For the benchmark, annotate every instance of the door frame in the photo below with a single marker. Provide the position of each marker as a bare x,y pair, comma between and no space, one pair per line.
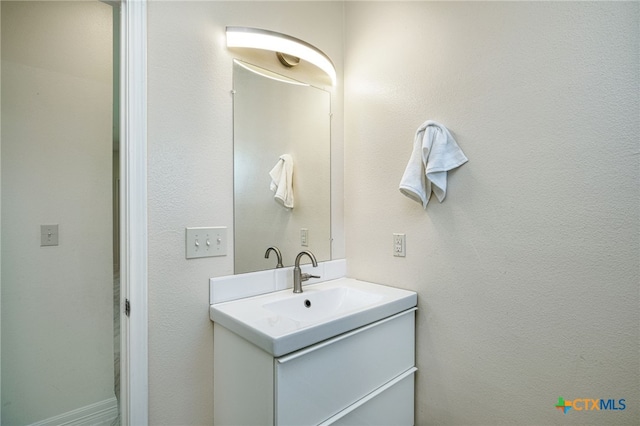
134,391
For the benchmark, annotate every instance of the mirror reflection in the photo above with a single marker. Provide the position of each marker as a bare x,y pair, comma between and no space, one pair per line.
282,145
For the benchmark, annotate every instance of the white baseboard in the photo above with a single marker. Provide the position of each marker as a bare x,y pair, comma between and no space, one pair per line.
100,413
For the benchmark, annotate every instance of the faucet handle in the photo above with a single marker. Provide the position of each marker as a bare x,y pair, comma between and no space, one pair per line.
304,276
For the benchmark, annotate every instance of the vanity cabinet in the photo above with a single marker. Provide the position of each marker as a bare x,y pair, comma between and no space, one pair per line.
362,377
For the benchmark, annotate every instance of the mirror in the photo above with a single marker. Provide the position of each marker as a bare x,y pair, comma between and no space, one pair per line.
274,115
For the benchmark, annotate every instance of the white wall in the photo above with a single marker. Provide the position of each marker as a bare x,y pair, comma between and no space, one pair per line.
528,272
0,218
190,162
57,326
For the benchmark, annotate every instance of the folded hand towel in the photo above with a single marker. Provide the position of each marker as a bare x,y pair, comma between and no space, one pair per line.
282,181
435,151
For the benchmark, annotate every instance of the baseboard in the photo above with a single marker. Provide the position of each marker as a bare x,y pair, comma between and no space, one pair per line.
100,413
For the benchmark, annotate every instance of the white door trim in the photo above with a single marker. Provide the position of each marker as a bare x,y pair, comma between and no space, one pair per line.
134,394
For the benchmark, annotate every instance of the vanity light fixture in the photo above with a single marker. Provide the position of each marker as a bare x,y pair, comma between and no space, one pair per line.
268,74
280,43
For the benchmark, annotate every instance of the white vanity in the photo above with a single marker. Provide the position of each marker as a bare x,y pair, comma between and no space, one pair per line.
341,353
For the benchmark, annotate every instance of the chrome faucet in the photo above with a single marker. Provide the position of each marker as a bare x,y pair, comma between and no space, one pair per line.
278,254
298,276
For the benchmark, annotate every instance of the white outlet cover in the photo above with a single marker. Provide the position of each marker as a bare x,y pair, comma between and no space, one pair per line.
399,245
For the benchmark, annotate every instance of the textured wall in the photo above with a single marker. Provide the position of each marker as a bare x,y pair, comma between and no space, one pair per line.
528,272
190,163
57,308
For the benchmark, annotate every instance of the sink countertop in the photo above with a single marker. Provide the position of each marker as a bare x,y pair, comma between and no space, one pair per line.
280,322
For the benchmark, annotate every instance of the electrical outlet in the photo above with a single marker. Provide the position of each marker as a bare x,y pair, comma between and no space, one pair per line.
304,237
206,242
399,245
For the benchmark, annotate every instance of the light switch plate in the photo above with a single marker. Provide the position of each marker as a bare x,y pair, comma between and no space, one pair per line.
48,235
206,242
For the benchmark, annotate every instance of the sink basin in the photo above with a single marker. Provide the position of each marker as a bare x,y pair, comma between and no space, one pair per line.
283,322
319,304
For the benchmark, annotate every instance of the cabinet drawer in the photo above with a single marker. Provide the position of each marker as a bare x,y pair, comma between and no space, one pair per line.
318,382
390,405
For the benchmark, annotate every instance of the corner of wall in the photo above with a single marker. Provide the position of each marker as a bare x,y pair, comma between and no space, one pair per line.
0,214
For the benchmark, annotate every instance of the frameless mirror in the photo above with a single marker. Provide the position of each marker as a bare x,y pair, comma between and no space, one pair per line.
275,116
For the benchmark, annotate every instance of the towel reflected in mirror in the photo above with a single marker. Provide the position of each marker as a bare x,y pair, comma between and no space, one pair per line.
282,181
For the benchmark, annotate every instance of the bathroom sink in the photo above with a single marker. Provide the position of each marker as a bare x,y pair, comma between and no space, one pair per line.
318,304
282,322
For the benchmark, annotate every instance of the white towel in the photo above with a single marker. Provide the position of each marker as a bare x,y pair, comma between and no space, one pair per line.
435,152
282,181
